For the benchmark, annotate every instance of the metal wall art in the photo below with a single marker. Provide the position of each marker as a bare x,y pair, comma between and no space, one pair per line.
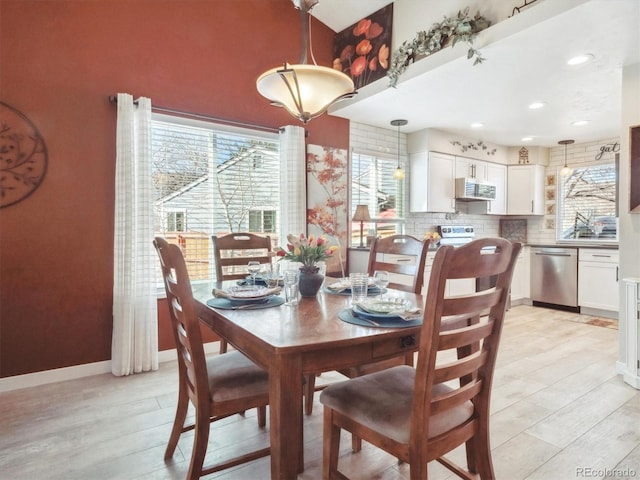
23,156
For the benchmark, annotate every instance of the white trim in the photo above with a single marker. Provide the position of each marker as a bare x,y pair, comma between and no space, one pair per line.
28,380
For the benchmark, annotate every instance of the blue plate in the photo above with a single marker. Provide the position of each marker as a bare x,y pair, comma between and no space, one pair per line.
225,303
359,312
349,316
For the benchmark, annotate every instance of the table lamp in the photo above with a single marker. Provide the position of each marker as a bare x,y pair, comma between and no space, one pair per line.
361,215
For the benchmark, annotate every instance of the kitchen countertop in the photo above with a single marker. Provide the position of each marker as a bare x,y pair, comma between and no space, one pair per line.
575,245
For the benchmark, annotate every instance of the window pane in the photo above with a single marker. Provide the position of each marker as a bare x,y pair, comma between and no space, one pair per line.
208,181
372,184
587,204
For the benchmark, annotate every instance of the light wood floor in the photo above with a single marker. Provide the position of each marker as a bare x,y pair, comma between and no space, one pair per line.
559,412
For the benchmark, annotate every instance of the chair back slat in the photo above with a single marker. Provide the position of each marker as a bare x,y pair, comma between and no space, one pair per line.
404,245
471,304
232,252
459,369
464,336
442,403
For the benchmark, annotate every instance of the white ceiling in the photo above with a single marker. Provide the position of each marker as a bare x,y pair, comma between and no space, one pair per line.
525,61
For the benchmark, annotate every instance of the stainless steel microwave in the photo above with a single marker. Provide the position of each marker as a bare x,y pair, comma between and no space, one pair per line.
474,189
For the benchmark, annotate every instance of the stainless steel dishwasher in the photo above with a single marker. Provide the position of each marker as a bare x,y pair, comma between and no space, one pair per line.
554,276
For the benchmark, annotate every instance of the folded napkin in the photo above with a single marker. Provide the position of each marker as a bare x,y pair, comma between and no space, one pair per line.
344,284
340,285
218,293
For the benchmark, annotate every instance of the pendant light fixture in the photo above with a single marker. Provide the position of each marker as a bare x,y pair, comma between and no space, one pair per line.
305,90
566,169
398,173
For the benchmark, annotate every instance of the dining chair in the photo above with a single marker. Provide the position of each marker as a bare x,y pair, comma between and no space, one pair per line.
420,414
217,386
404,257
232,252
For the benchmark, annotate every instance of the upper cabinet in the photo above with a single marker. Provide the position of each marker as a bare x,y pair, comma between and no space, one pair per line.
525,190
494,173
470,168
432,182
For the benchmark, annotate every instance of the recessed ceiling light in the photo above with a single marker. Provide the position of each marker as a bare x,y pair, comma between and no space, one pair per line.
579,123
477,125
536,105
580,59
526,139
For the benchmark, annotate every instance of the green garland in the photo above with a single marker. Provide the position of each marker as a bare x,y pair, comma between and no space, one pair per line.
451,30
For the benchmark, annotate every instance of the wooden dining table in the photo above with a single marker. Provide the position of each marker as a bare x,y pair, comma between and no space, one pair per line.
292,341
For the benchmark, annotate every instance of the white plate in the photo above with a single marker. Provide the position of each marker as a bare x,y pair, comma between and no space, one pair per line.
247,292
383,307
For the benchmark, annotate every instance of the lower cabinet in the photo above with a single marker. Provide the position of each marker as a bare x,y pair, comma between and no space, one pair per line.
520,282
461,286
598,279
358,260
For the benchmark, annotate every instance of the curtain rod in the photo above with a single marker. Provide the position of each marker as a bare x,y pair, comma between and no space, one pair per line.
114,99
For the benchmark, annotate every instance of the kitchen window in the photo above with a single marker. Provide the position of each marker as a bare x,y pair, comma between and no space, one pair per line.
587,204
208,180
372,184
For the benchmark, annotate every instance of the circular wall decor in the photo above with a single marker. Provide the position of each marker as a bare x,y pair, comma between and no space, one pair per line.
23,156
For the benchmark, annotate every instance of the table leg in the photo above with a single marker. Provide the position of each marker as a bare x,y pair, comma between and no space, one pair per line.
285,407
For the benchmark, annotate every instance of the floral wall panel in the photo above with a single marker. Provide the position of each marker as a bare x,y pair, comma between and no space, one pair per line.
362,50
327,198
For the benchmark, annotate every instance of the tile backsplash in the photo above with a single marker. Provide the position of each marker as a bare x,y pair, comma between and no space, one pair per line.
540,229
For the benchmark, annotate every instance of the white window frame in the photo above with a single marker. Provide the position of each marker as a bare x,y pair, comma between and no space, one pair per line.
588,217
370,198
219,128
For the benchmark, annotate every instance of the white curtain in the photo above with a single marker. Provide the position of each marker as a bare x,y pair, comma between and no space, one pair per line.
134,345
293,185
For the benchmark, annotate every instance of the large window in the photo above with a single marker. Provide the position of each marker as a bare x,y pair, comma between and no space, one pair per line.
587,204
372,184
212,180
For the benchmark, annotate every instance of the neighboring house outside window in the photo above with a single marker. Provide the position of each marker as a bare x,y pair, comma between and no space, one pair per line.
262,221
372,184
211,180
587,204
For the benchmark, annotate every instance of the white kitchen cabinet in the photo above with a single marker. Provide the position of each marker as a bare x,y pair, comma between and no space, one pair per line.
358,260
598,279
471,168
525,190
496,174
521,282
458,286
432,182
399,259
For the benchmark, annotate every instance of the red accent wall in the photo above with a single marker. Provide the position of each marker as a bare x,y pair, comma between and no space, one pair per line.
60,60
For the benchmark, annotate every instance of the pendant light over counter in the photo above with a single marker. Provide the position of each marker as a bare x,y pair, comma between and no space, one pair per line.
305,90
566,169
398,173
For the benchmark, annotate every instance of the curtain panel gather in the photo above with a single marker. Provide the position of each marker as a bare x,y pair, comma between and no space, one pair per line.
293,174
134,346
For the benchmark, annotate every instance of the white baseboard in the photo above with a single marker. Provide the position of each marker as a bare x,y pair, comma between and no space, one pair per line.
27,380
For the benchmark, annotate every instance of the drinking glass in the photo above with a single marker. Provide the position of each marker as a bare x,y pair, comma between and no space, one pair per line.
290,280
272,275
358,283
253,267
381,279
